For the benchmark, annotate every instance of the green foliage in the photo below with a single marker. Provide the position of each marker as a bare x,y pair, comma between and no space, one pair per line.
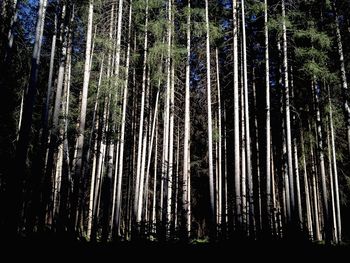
157,52
216,134
275,24
200,241
316,38
255,8
158,28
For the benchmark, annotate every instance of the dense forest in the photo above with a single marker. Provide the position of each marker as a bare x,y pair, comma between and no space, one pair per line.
175,120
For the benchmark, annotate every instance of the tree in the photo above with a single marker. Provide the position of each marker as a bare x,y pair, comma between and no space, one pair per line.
14,187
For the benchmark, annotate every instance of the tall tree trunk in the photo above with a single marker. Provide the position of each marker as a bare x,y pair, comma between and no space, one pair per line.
82,119
296,159
14,183
95,122
123,124
258,180
220,178
335,168
210,128
243,153
14,9
317,236
171,141
316,93
141,125
306,188
287,111
247,122
268,118
334,230
343,72
186,188
238,214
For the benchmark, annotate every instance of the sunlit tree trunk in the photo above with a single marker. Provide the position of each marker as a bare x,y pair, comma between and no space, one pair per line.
335,168
247,121
296,158
344,81
186,188
287,111
334,229
122,133
141,125
210,127
268,113
258,181
14,183
82,119
238,202
320,150
306,188
220,175
317,236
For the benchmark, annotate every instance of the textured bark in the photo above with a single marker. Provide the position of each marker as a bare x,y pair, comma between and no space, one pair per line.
219,164
186,188
247,123
210,128
268,113
117,216
287,112
344,81
141,125
334,169
320,151
86,81
306,189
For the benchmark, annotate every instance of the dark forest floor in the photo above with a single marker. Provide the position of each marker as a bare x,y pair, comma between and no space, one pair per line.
50,248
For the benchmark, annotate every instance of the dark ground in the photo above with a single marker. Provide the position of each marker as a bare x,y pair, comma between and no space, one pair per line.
49,248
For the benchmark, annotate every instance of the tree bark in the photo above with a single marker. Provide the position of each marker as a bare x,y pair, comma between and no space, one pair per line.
186,188
342,72
287,111
210,129
238,201
14,184
335,168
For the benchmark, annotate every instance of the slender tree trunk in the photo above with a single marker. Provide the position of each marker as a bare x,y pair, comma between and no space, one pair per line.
296,159
82,119
334,229
320,148
186,188
258,180
122,136
14,8
343,72
287,111
154,202
317,236
210,128
335,169
220,178
54,137
306,188
141,125
268,118
243,156
247,123
95,122
14,184
238,218
170,180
